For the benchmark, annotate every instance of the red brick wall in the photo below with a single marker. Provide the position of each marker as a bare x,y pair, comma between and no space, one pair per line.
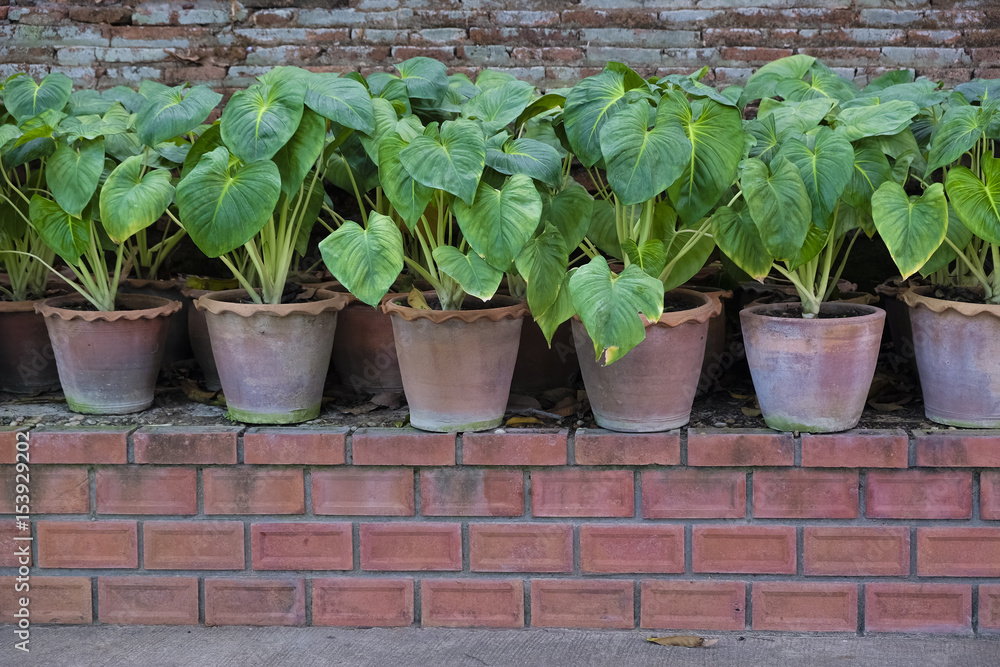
699,529
226,43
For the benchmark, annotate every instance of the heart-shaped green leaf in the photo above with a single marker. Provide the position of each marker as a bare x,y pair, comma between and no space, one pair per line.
778,203
799,117
543,263
26,99
298,156
343,100
588,106
365,261
500,222
73,173
425,78
527,156
912,227
470,271
453,161
571,211
825,170
960,129
977,202
384,125
879,119
68,235
603,231
206,143
651,256
871,170
408,197
764,81
131,200
259,120
821,85
498,107
609,306
173,112
738,237
561,309
223,206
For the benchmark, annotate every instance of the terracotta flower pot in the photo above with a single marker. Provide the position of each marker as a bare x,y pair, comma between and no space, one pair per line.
717,361
652,388
108,360
272,359
178,345
957,347
27,362
812,375
201,342
457,365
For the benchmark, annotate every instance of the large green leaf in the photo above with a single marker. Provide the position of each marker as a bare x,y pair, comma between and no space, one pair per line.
559,311
26,99
497,108
912,227
209,140
342,100
588,106
408,197
173,112
259,120
977,202
68,235
384,124
131,200
500,222
871,170
298,156
716,135
425,78
960,129
470,271
879,119
642,163
764,81
543,263
609,306
779,205
651,256
603,231
816,240
570,211
958,234
821,85
800,117
765,133
738,237
527,156
223,206
365,261
453,161
825,170
73,173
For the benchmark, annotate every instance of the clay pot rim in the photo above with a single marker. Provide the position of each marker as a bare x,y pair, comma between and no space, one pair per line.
148,308
514,309
221,302
157,284
917,296
758,312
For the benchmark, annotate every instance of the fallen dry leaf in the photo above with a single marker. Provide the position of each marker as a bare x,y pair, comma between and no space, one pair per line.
199,395
750,412
687,641
388,399
523,421
565,407
415,299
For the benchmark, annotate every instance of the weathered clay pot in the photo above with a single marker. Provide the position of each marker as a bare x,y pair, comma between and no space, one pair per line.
716,361
108,360
201,342
272,359
27,362
178,346
456,364
897,316
957,347
652,388
812,375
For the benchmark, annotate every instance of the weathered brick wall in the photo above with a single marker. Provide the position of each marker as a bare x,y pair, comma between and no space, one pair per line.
700,529
226,43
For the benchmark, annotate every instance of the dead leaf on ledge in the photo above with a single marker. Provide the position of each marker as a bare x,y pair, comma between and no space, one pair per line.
195,393
523,421
750,412
362,409
388,399
686,641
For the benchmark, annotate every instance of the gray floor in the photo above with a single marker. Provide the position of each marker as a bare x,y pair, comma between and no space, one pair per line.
132,646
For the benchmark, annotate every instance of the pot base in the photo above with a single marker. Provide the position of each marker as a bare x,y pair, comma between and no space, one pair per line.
288,417
107,408
446,426
648,425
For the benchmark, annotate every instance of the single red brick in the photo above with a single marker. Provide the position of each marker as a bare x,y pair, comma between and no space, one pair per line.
597,447
15,544
569,603
989,495
743,549
515,448
939,608
522,547
249,490
411,546
471,492
364,602
456,603
693,605
79,445
805,607
631,548
582,492
402,447
877,551
92,544
989,607
146,490
52,489
8,443
918,494
958,552
301,546
193,545
856,449
805,494
186,444
749,447
148,600
255,601
61,600
363,492
694,494
294,446
957,450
